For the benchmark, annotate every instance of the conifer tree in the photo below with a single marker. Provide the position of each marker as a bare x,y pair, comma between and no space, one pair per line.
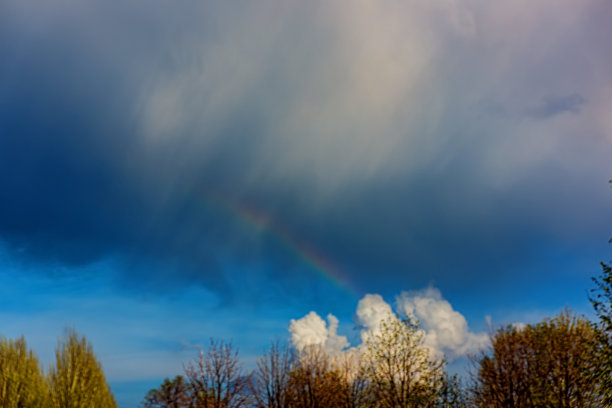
602,303
601,299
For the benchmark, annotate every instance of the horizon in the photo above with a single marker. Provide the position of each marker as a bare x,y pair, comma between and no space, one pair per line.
172,172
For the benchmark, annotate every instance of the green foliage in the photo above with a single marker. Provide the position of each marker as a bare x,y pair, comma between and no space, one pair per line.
77,379
174,393
601,300
22,383
398,367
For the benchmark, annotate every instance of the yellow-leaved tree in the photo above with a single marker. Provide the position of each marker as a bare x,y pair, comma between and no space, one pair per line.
548,364
22,382
77,379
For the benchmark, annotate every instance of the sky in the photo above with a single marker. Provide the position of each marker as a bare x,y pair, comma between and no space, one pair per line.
172,171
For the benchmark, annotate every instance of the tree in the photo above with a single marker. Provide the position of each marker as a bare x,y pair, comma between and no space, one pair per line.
285,378
77,379
353,383
217,379
314,382
601,299
22,382
602,303
548,364
565,360
270,383
505,372
451,394
174,393
398,367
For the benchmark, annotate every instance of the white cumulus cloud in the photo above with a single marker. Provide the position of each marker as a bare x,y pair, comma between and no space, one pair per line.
446,332
371,311
311,330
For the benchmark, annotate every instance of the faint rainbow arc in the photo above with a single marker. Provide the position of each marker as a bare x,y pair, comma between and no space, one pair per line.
305,252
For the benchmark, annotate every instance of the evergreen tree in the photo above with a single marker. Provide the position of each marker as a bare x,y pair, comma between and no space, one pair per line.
601,299
602,303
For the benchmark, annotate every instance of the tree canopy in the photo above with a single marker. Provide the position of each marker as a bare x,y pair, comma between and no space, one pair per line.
22,382
77,380
399,369
548,364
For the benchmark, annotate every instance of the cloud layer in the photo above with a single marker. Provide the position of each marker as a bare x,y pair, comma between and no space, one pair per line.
406,141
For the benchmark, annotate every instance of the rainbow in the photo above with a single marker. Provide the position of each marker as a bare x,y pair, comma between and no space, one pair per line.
253,218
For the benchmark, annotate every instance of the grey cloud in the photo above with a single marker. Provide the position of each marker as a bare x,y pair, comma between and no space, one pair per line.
359,129
553,106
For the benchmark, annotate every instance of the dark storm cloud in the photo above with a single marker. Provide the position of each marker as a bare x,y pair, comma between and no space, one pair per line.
368,142
77,185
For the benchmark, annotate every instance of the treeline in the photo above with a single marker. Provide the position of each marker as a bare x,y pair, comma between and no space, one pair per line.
554,363
75,380
565,361
394,369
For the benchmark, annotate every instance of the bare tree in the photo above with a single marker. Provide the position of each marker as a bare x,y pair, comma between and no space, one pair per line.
217,378
353,382
270,382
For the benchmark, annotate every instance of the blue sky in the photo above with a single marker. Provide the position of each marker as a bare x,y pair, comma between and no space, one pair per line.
175,171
